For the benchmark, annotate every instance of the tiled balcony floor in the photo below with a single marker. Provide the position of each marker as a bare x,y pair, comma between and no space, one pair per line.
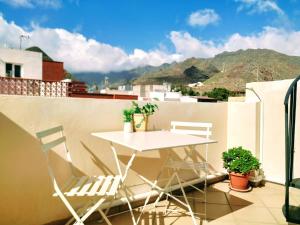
224,207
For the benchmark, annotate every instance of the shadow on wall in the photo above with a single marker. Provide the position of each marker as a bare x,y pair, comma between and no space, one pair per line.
100,164
26,189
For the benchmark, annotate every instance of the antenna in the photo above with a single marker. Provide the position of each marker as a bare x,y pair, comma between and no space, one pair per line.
25,37
106,82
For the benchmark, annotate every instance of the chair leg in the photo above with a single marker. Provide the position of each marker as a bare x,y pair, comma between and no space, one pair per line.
134,221
167,197
79,223
70,221
90,211
70,208
104,216
205,192
146,202
162,193
105,213
186,200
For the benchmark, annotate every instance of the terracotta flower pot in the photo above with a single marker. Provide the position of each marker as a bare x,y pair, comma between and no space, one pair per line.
239,181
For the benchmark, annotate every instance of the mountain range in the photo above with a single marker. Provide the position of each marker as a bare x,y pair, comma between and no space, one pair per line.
231,70
115,78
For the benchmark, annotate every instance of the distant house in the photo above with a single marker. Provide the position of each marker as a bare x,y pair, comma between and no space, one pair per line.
145,90
52,70
31,63
197,99
20,63
198,84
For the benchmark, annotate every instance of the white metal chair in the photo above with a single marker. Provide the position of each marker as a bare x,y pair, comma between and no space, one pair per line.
191,128
189,162
99,188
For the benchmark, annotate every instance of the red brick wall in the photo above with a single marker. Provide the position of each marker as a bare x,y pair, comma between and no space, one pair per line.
53,71
103,96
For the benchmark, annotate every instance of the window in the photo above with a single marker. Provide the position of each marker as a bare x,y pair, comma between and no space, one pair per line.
8,69
17,71
12,70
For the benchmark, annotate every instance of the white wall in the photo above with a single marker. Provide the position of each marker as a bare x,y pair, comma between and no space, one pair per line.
157,95
243,126
31,62
273,127
25,189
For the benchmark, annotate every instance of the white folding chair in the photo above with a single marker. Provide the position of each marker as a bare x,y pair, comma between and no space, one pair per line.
190,162
99,188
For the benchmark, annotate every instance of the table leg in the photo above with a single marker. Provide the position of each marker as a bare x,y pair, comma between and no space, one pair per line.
179,180
123,186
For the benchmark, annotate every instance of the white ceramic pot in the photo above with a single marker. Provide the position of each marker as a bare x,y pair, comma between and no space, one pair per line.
128,127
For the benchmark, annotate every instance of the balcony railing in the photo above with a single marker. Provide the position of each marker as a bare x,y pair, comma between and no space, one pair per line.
31,87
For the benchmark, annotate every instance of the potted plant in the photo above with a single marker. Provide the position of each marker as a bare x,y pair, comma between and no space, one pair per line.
127,118
141,114
239,162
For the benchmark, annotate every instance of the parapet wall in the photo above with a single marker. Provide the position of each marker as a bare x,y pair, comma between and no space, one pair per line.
25,185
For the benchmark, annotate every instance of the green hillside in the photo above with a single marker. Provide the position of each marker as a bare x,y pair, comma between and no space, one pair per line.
189,71
116,78
231,70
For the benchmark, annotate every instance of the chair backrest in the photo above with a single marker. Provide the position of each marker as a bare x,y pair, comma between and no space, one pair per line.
50,139
192,128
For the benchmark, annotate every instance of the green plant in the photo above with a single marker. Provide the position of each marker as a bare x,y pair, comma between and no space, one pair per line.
239,160
127,115
147,109
220,94
184,90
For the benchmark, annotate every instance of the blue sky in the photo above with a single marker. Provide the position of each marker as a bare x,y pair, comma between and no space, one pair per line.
140,32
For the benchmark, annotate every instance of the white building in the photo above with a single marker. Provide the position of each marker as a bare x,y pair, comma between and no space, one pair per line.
145,90
165,96
21,63
126,87
198,84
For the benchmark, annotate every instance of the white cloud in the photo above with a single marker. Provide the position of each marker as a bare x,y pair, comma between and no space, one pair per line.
280,40
82,54
189,46
259,6
33,3
203,17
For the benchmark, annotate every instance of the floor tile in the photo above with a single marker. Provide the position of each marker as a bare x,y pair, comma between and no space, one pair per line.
253,214
216,197
275,200
261,206
278,215
240,198
221,186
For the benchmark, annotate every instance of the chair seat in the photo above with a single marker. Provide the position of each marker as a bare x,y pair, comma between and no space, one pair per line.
186,164
92,186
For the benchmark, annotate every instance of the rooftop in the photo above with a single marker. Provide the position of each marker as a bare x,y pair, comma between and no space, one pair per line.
256,124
